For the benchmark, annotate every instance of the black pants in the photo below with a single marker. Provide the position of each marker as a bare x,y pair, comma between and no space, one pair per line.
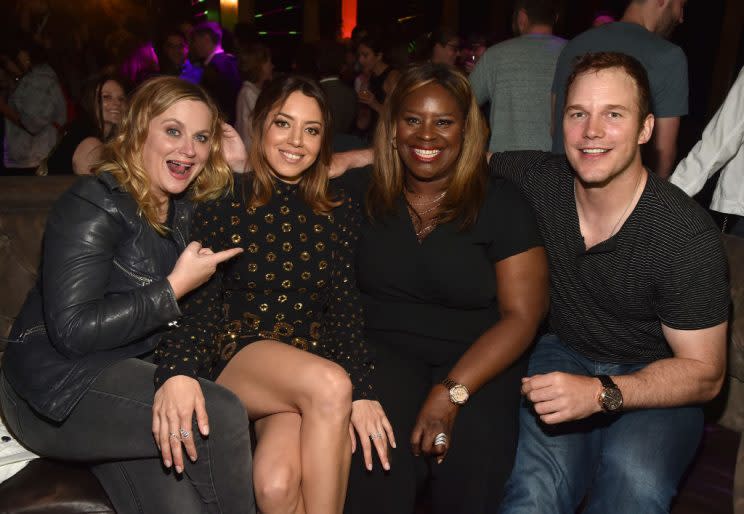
111,429
482,448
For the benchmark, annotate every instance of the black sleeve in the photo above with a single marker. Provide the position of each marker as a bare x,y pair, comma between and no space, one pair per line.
518,167
694,291
79,248
513,225
354,182
342,330
191,347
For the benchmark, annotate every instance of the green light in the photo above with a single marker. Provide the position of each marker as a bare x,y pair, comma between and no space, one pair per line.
262,33
206,12
292,33
289,8
258,16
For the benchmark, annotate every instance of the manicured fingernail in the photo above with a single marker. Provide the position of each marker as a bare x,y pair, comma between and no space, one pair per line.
179,469
369,467
167,463
205,430
386,466
440,460
393,444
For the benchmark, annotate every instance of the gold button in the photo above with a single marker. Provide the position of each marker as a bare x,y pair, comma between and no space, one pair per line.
253,248
287,246
318,228
320,246
270,238
271,256
301,218
252,267
288,266
322,265
264,307
286,284
269,218
305,256
282,298
234,220
270,276
235,238
286,227
303,237
305,275
298,306
284,209
253,228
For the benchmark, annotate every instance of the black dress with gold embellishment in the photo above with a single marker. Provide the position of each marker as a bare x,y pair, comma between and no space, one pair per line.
293,283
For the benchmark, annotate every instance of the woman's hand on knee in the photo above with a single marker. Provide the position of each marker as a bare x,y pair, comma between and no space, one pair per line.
436,417
370,422
173,408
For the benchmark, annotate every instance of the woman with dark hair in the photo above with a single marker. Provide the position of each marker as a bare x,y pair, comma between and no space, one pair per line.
103,104
280,326
381,76
453,279
77,377
256,68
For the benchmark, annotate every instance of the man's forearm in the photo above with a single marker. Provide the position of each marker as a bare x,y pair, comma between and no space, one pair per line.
671,383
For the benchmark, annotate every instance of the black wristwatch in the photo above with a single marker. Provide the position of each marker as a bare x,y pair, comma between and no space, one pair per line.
610,398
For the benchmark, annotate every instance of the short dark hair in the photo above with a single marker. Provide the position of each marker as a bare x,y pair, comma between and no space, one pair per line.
329,58
594,62
543,12
251,61
210,28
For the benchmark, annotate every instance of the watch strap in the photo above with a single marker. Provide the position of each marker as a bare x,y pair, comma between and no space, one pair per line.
607,381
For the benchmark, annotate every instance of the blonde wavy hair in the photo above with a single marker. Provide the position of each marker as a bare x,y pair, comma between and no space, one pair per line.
313,184
122,156
466,187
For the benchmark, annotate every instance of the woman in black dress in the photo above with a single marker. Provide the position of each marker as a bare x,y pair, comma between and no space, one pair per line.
292,290
453,279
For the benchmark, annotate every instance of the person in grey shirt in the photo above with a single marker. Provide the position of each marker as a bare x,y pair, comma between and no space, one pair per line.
640,33
515,77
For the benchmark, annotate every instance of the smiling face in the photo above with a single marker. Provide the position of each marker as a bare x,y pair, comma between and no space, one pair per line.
602,126
429,132
293,134
113,102
177,147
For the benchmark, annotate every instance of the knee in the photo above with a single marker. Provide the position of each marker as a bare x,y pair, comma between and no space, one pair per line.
329,392
277,487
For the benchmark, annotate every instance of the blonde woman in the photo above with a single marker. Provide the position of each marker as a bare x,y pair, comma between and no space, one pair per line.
76,382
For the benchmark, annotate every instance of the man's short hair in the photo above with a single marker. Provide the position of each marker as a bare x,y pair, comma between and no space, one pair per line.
594,62
211,29
542,12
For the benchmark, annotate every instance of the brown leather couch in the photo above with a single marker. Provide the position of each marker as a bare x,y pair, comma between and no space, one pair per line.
46,486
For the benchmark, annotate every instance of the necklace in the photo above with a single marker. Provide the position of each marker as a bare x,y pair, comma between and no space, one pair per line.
417,211
422,199
617,223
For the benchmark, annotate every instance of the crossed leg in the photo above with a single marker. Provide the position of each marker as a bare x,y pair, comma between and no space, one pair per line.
272,378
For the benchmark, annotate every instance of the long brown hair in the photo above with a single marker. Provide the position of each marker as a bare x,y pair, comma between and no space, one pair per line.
313,182
467,184
122,156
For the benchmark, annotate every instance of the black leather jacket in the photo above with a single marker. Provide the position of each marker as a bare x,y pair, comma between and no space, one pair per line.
102,295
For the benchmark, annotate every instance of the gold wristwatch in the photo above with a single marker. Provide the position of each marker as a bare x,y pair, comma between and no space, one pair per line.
610,397
458,393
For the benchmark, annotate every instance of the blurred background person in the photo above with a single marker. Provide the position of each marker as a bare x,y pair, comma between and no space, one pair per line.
256,68
174,57
101,110
35,112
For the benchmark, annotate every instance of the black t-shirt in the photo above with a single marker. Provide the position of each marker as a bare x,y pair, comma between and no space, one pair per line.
435,298
666,264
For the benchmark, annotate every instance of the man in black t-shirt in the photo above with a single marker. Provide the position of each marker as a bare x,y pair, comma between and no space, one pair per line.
639,308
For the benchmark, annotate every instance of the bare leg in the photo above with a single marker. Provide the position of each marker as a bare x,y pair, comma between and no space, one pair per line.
272,377
277,465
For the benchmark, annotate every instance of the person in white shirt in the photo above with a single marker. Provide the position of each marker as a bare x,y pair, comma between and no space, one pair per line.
721,147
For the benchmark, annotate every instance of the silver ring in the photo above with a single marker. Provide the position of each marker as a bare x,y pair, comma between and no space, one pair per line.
173,435
377,435
440,439
185,434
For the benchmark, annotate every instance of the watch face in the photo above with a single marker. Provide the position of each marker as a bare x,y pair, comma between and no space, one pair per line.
611,399
459,394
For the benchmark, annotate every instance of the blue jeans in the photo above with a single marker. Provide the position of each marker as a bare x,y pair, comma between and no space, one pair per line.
627,462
